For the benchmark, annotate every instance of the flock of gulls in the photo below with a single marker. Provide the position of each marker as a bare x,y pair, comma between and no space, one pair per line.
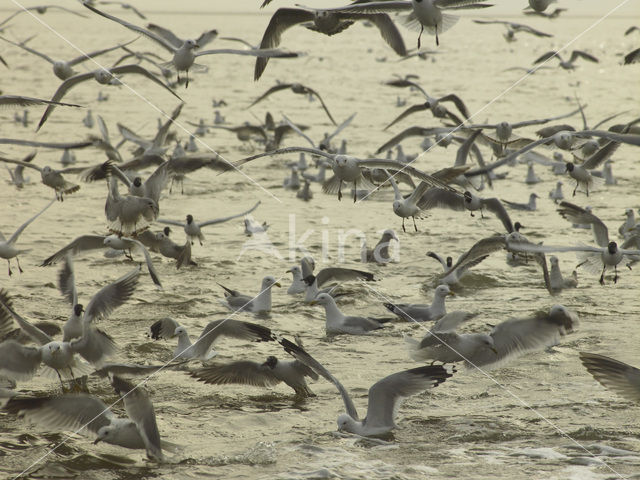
134,225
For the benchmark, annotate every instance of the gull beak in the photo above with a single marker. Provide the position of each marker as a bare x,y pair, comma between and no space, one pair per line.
451,294
277,284
96,441
313,302
289,271
493,349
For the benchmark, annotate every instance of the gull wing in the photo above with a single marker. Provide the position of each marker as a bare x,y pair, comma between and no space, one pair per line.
140,410
133,68
575,214
64,87
229,328
302,356
386,395
67,281
157,38
519,335
108,298
80,244
68,412
230,217
613,374
282,19
16,234
242,372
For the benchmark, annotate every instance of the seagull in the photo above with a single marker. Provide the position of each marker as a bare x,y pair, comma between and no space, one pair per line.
630,222
424,14
513,28
101,305
539,5
64,69
632,57
22,101
434,104
161,243
327,275
505,129
251,227
437,197
592,257
8,248
17,174
529,206
567,65
40,9
297,284
128,215
103,76
613,374
349,169
508,339
338,323
270,373
202,349
305,192
21,362
555,14
325,22
292,182
422,313
50,177
556,194
255,304
453,273
380,253
295,88
84,412
385,396
410,206
93,242
183,55
324,144
553,279
193,229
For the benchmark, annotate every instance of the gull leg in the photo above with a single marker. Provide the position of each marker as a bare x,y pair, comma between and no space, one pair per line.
187,83
574,190
414,223
18,262
171,186
128,255
602,276
340,191
355,191
587,189
615,276
437,40
403,229
61,382
9,263
420,35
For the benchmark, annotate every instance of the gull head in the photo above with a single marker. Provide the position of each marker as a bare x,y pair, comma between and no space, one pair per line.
443,291
271,362
612,248
534,195
564,318
190,44
390,234
345,422
553,260
189,219
468,196
487,342
321,299
563,139
104,434
103,76
166,231
54,347
569,167
46,170
137,182
179,331
78,309
449,261
295,270
268,282
438,110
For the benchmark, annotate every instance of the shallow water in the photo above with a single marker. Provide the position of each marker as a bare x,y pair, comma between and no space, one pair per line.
540,416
